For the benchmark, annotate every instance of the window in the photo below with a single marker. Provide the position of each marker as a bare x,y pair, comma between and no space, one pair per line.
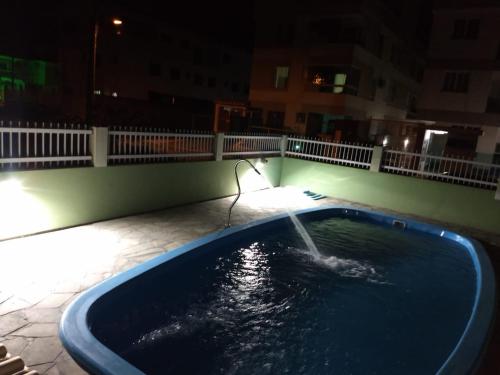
466,29
175,74
459,29
212,82
154,69
197,56
4,65
285,34
456,82
226,58
381,45
165,38
496,155
334,79
198,80
337,30
281,77
275,119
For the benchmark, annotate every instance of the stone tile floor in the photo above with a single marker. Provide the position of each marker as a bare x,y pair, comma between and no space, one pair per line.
40,275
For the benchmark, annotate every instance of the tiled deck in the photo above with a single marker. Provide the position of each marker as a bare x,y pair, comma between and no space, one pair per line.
41,274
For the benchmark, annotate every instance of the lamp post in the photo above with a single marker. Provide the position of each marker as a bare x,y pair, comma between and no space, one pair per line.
117,22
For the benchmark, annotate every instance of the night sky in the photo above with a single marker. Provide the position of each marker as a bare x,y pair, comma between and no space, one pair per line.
36,28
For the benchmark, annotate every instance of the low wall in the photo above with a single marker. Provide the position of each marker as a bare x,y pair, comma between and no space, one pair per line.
41,200
454,204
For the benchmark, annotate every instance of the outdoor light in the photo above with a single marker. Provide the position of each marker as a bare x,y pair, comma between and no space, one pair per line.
385,142
21,211
114,94
297,147
117,21
261,163
406,142
10,187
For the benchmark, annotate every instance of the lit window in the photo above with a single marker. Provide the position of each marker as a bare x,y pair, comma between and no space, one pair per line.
339,83
281,77
334,79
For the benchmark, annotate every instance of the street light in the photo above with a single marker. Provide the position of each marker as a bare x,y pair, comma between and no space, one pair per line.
92,66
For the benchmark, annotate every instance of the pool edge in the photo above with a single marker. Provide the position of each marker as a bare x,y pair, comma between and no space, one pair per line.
96,358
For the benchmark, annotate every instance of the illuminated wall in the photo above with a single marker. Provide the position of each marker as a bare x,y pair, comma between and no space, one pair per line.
455,204
41,200
17,74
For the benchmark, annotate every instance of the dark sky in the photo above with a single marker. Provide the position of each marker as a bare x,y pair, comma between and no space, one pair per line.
35,28
226,20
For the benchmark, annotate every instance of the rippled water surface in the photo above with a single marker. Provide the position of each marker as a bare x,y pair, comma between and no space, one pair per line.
378,301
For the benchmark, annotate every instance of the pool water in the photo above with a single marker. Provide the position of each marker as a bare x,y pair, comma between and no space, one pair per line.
381,301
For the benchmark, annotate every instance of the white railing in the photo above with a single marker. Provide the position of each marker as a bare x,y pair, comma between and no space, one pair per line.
353,155
43,145
446,169
52,145
148,145
251,145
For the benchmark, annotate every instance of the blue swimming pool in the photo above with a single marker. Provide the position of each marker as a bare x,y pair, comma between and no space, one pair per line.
387,296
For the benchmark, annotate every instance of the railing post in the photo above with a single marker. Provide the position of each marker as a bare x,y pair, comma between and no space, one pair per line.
219,146
283,145
376,161
497,194
99,146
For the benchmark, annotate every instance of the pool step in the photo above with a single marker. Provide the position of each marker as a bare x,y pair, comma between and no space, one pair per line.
313,195
10,365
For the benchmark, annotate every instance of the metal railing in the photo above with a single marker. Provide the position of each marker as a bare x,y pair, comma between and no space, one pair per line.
352,155
245,145
155,145
25,145
446,169
52,145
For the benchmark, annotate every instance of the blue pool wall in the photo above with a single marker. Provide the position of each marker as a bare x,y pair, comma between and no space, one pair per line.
96,358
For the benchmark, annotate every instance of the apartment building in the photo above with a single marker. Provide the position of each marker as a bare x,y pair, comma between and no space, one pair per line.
27,80
461,87
156,74
345,69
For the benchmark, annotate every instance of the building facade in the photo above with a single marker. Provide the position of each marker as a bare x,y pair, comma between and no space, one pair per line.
347,70
150,73
461,87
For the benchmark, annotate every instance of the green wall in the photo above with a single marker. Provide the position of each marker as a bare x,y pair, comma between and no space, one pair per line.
454,204
49,199
41,200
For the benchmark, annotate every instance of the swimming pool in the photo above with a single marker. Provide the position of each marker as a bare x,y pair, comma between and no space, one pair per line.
387,296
